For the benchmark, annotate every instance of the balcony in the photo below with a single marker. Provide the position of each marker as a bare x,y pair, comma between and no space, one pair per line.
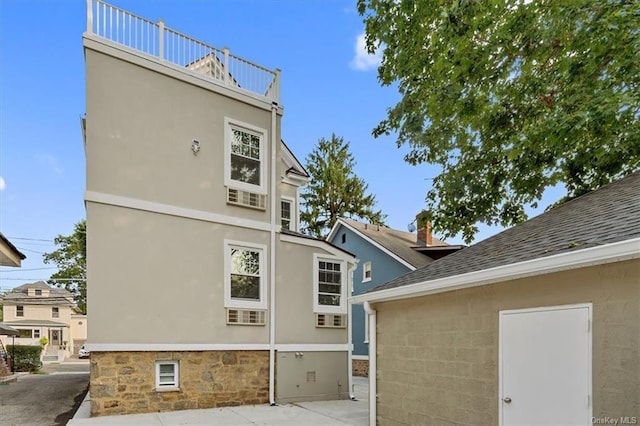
180,51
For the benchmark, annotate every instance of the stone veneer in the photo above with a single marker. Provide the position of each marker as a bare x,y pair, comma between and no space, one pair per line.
124,382
360,367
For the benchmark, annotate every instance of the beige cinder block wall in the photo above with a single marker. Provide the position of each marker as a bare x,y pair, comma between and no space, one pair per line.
438,355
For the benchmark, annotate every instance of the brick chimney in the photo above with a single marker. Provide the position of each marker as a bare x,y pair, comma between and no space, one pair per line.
425,237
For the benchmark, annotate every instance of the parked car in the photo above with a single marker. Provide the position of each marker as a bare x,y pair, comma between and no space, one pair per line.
83,352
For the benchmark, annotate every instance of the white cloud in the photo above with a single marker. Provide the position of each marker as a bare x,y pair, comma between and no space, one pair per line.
51,161
363,60
2,184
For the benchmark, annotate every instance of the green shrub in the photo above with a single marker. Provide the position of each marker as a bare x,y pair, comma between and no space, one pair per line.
27,358
44,341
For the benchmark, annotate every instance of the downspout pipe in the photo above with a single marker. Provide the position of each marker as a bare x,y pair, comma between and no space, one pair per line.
350,332
371,317
272,255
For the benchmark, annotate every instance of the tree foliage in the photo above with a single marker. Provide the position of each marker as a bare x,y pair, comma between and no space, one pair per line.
71,260
509,98
334,190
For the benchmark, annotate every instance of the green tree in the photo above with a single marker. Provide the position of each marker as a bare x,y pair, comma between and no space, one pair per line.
334,190
71,260
509,98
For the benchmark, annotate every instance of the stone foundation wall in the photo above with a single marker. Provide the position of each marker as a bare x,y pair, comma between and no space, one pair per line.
360,367
124,382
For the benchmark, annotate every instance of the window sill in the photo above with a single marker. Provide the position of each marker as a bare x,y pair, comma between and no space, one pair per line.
366,280
168,389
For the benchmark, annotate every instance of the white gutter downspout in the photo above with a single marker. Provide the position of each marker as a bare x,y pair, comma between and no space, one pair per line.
371,316
272,253
350,332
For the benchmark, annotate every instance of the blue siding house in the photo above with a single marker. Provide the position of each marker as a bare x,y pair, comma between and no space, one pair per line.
383,254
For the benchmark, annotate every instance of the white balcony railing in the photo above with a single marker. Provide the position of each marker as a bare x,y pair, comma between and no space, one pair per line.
169,46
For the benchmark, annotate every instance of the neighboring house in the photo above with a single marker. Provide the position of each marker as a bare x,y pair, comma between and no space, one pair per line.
9,254
37,310
201,292
537,324
383,254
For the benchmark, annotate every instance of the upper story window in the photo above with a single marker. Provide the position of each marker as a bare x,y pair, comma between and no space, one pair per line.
344,238
38,292
288,214
19,311
245,162
245,272
329,285
366,272
55,312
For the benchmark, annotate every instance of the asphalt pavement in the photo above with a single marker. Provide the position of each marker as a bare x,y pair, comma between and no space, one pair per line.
45,399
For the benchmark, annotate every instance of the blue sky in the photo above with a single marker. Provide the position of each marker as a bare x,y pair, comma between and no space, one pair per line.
329,85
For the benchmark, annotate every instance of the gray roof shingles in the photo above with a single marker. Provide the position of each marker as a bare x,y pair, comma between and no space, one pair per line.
398,242
603,216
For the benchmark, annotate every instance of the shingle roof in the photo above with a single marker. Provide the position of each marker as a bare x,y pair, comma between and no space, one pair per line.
57,296
309,237
606,215
398,242
12,247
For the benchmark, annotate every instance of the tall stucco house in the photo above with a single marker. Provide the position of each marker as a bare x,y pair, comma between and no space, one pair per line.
201,291
383,254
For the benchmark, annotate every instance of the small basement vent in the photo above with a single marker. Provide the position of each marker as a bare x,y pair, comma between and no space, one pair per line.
311,376
246,199
245,317
330,321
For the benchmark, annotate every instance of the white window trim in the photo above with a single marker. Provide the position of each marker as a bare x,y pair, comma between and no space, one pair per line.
176,375
293,220
230,123
366,279
322,309
53,312
245,304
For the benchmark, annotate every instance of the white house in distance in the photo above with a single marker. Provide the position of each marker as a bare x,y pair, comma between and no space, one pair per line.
201,291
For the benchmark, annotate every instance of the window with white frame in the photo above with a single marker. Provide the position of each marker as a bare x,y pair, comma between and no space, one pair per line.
36,333
287,216
167,375
329,285
366,272
245,272
55,312
19,311
245,161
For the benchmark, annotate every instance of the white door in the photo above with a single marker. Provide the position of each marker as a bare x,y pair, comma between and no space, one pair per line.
545,366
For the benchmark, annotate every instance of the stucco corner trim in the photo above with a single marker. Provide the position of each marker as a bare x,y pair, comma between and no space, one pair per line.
608,253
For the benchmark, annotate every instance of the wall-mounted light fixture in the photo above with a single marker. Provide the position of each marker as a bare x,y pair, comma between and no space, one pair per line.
195,146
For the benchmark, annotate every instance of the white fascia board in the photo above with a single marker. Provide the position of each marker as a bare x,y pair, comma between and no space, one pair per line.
167,209
313,347
372,242
147,347
295,180
335,228
317,244
609,253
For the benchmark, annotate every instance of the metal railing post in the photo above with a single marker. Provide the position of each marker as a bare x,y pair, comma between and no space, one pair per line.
90,16
161,39
276,91
225,66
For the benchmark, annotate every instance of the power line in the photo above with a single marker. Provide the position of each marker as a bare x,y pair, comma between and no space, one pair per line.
43,279
29,250
28,269
29,239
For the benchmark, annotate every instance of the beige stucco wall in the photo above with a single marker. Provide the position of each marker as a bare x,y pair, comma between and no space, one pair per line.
438,355
140,125
36,312
295,317
79,327
160,278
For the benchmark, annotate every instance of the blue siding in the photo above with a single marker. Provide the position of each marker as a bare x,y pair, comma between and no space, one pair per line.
383,268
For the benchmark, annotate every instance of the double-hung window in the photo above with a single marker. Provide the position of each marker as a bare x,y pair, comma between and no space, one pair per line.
287,214
245,275
19,311
55,312
167,375
245,162
329,285
366,272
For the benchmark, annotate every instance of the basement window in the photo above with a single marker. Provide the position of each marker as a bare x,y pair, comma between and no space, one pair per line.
167,375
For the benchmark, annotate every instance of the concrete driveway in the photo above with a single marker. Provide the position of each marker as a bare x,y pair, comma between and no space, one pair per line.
44,399
337,413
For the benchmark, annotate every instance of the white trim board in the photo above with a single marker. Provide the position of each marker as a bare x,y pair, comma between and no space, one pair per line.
161,347
370,241
167,209
609,253
360,357
312,347
324,245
